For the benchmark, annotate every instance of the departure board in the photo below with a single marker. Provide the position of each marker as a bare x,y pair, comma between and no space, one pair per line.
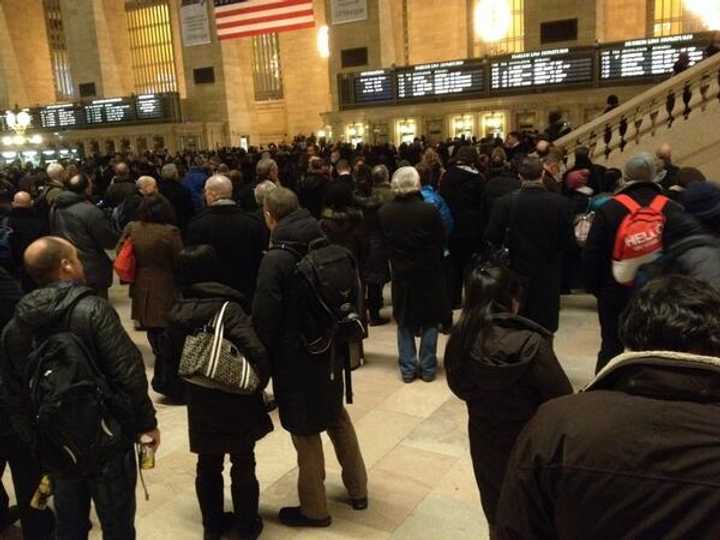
373,87
149,107
647,58
104,111
542,68
61,116
441,80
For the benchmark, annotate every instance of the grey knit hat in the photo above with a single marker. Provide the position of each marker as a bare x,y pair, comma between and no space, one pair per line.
641,168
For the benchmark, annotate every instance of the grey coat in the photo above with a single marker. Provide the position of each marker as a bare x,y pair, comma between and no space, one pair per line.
85,226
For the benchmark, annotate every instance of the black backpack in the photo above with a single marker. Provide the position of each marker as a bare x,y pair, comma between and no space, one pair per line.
329,284
78,420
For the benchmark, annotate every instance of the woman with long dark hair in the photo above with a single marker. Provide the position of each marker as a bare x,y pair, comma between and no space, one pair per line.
503,366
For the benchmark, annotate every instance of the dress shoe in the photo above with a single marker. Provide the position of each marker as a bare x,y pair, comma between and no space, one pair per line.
253,531
378,321
359,504
428,378
292,516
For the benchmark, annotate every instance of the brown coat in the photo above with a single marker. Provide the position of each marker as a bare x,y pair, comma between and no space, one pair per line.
156,249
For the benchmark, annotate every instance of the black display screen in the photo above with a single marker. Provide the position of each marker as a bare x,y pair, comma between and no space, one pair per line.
438,80
540,69
373,86
109,111
149,107
647,58
61,116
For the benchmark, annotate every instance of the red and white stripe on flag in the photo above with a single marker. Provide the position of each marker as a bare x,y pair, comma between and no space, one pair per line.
244,18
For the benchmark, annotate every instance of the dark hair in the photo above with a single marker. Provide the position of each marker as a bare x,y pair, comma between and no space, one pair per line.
426,173
673,313
281,202
43,268
613,100
198,264
555,116
488,289
156,209
531,168
78,183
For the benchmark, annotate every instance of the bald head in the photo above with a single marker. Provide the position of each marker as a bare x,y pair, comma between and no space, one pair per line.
51,259
218,187
147,185
22,199
122,170
664,152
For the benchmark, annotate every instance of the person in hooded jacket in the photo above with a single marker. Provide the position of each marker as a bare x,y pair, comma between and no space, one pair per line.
84,225
503,366
463,188
220,423
636,455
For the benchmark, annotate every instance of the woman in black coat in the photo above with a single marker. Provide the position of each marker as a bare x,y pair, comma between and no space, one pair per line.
220,423
504,368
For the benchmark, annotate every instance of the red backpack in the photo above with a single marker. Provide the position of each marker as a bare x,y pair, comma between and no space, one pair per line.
639,238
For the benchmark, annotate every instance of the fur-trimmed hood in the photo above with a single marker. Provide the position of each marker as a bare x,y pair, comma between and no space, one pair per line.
665,375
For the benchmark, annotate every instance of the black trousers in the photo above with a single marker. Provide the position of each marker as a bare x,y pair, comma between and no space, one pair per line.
375,298
461,254
245,489
611,303
36,525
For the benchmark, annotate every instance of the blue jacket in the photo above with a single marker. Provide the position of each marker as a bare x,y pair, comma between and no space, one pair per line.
195,181
432,197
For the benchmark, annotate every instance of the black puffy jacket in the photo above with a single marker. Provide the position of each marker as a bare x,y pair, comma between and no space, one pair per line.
463,188
50,309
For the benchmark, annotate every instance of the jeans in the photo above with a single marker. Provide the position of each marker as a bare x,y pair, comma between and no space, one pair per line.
311,466
36,524
408,351
112,491
245,489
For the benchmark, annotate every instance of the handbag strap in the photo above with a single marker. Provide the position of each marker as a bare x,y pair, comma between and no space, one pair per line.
219,328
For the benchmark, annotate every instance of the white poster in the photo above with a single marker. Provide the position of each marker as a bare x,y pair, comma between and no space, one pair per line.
195,22
347,11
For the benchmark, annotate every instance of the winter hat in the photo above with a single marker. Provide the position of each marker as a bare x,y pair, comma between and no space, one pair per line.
641,168
577,179
702,199
689,175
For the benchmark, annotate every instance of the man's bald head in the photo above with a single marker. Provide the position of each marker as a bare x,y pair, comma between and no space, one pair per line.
122,170
51,259
22,199
147,185
664,152
218,187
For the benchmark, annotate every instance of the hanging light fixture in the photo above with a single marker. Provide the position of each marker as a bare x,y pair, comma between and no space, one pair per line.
707,11
323,41
493,20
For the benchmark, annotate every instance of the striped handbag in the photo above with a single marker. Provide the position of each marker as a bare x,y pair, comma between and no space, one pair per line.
211,361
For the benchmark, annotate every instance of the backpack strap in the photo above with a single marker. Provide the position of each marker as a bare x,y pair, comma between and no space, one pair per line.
628,202
659,203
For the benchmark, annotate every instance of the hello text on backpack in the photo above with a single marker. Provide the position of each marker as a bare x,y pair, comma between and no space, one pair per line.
77,416
639,238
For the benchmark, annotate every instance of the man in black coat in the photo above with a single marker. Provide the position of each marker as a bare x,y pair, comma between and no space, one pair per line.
540,225
27,226
238,239
84,225
639,184
179,196
464,191
308,389
62,302
122,186
415,236
637,454
25,469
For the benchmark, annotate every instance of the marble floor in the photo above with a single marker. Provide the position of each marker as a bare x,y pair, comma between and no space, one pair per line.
413,439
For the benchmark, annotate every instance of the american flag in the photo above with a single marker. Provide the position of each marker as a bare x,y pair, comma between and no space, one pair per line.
243,18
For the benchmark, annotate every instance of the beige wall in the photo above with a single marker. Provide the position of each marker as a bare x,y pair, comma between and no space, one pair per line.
620,20
25,70
437,30
540,11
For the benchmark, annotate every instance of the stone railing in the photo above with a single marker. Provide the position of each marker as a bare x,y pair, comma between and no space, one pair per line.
666,105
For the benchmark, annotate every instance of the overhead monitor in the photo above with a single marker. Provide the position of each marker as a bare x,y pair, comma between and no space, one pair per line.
538,69
374,86
461,77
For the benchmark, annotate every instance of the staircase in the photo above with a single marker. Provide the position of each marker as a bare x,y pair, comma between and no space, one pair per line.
683,111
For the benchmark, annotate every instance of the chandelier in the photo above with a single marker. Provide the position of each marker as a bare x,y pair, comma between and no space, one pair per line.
19,121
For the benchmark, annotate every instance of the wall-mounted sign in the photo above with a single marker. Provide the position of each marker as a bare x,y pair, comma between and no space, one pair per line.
195,22
347,11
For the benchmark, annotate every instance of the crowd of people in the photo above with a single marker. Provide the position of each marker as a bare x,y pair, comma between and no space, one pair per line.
499,229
